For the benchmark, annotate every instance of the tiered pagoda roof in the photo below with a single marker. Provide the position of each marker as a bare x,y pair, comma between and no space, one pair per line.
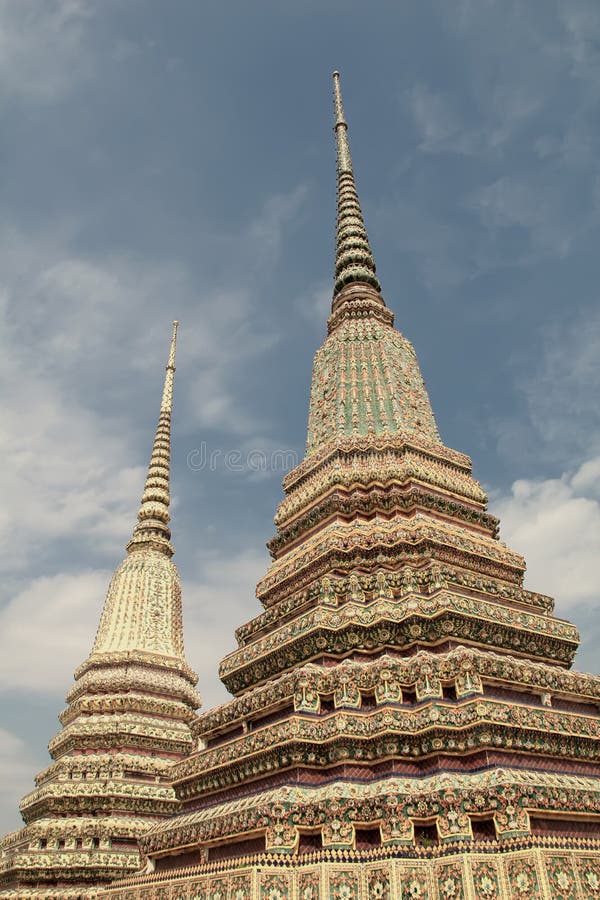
404,721
128,719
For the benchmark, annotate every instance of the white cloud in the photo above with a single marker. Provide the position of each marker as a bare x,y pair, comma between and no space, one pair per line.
562,393
73,329
581,22
226,329
556,428
522,110
587,479
17,769
48,629
495,37
438,125
443,255
535,205
64,473
314,304
555,523
42,47
219,600
266,231
67,469
70,339
225,342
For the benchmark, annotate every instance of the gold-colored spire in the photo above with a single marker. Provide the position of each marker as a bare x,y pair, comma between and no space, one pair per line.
152,529
354,263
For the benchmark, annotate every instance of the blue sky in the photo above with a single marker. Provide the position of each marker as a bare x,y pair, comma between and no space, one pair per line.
175,160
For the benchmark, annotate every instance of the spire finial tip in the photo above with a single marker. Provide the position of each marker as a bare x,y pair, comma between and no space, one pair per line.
152,529
354,260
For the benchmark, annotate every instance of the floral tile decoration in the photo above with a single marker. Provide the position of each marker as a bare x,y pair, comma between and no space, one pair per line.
589,876
485,880
309,886
344,885
218,889
240,887
198,891
378,881
415,884
561,877
275,886
523,879
450,881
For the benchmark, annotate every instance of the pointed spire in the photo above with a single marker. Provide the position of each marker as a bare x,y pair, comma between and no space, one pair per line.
354,261
152,529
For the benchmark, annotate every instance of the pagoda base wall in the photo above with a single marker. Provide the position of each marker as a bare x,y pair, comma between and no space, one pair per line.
534,874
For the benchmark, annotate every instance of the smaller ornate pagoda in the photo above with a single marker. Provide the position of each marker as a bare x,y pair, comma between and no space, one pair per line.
128,718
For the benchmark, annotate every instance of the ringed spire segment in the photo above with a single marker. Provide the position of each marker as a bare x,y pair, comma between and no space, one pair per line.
152,529
341,128
354,262
167,397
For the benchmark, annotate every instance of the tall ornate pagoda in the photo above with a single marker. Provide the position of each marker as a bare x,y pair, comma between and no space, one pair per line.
128,719
404,720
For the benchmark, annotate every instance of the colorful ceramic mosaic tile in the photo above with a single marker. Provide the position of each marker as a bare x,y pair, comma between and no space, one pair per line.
561,877
414,883
450,881
484,874
275,887
589,875
523,878
378,883
344,884
218,889
309,885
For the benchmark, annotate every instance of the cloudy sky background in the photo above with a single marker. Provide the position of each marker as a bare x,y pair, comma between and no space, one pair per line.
175,160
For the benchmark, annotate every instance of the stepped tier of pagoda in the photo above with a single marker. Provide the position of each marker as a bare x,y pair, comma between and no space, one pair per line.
404,721
129,717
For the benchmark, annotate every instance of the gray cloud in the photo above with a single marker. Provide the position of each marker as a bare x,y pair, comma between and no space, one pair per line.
42,48
558,384
18,765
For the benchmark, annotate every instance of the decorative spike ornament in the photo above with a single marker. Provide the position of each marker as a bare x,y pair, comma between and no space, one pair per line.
152,529
354,263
